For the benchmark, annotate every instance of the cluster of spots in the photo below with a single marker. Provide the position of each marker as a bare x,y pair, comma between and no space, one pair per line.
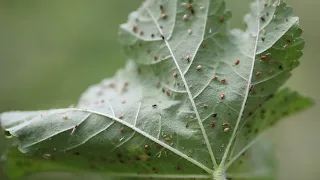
272,62
100,96
224,124
190,8
283,105
135,29
148,160
269,115
164,16
226,129
168,138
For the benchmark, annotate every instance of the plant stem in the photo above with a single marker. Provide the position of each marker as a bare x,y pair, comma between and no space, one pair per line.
219,174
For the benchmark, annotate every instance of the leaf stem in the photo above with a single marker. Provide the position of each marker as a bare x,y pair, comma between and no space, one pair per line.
219,174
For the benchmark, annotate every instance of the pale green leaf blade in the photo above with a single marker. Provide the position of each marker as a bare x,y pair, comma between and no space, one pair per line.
175,110
216,68
274,64
274,40
116,129
172,54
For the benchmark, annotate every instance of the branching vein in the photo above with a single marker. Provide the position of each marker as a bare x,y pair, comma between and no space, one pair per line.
189,93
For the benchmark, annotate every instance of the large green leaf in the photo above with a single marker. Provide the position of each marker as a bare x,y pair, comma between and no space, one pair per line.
190,87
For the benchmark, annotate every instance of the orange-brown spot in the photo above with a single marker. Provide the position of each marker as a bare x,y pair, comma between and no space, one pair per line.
221,19
175,75
134,28
271,71
223,81
264,57
215,78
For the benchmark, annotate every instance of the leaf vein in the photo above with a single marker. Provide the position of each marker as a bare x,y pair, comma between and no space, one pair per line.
189,93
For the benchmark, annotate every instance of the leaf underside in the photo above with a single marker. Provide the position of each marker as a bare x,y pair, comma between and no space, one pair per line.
193,97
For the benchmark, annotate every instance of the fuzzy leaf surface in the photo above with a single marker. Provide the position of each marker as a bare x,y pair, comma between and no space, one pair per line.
189,89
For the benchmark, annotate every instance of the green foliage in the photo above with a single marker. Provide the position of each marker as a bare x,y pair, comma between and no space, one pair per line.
190,103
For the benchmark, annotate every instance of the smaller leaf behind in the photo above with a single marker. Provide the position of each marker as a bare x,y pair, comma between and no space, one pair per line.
285,103
258,163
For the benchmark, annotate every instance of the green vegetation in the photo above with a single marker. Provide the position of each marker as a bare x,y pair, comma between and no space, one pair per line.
136,92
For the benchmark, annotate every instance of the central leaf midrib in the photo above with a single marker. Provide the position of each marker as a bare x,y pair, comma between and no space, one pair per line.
225,155
215,165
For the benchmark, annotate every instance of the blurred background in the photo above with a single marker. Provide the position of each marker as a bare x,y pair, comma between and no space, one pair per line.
51,51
